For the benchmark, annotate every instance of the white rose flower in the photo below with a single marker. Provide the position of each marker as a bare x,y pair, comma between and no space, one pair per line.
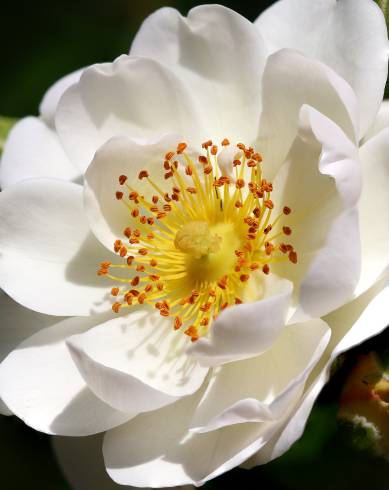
231,179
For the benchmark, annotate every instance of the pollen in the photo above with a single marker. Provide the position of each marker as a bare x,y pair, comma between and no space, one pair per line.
194,243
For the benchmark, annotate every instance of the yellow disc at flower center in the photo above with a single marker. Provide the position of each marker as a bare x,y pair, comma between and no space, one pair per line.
209,249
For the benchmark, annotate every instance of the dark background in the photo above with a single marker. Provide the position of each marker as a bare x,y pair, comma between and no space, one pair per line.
44,40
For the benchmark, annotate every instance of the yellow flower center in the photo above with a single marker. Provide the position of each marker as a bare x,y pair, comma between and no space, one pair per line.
192,248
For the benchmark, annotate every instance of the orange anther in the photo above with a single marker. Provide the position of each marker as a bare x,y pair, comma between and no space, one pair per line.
130,259
155,199
122,179
287,230
127,232
214,150
143,174
239,183
181,148
293,257
207,144
135,281
269,204
191,190
236,163
177,323
238,301
208,169
169,155
164,311
153,262
225,142
267,229
266,269
123,251
117,245
135,213
143,251
203,160
116,307
119,195
286,210
141,298
244,277
140,268
148,288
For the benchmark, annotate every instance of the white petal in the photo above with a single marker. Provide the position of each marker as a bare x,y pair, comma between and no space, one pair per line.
18,323
32,150
380,122
374,209
291,80
246,330
134,97
324,217
261,389
219,55
348,35
40,384
156,450
48,256
352,324
136,363
51,98
107,216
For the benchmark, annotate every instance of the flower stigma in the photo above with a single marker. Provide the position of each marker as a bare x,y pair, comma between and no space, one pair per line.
191,251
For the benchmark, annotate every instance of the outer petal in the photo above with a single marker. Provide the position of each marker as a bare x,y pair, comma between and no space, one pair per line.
50,100
374,209
291,80
18,323
81,460
136,363
177,457
236,394
48,256
348,35
219,56
246,330
324,219
40,384
107,216
33,150
360,319
134,97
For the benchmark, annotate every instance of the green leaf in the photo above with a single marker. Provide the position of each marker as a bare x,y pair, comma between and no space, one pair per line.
6,124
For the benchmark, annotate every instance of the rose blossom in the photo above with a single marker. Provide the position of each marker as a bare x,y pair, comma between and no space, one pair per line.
230,180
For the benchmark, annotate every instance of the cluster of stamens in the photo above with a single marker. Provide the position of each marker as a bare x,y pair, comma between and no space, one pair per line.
191,251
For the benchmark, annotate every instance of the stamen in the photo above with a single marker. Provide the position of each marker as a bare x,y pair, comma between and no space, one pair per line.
207,235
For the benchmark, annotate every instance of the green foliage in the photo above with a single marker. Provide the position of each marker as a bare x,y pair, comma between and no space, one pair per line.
6,124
